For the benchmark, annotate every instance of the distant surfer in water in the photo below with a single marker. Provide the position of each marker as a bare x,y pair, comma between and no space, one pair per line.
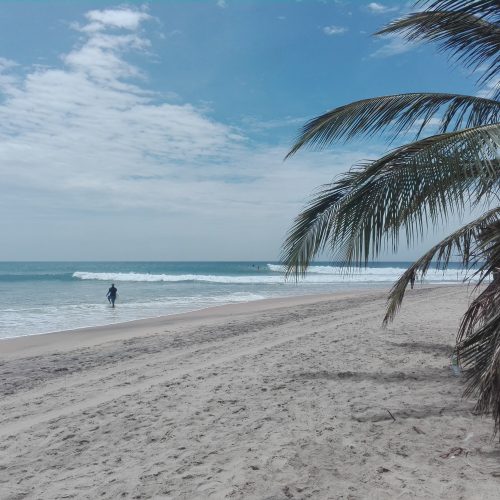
111,295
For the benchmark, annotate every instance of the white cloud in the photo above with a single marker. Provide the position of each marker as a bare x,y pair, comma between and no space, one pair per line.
394,45
87,129
100,57
115,18
490,88
222,4
7,79
88,148
378,8
334,30
6,64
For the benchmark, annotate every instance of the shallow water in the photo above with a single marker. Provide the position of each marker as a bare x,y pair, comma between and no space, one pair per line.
40,297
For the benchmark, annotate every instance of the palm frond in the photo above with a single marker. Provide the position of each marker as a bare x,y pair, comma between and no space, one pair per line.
422,183
480,8
462,242
414,185
494,92
478,340
311,229
480,355
478,349
397,114
472,40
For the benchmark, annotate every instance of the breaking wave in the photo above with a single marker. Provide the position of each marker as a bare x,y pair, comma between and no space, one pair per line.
273,275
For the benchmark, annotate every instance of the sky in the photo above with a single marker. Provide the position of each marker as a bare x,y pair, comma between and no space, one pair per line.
157,131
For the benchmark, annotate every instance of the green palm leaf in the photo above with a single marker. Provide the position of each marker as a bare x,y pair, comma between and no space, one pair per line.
472,40
480,8
462,242
424,181
419,184
480,355
311,230
478,341
397,114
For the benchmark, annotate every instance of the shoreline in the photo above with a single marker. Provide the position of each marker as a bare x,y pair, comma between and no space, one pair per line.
285,398
348,290
63,302
121,330
81,336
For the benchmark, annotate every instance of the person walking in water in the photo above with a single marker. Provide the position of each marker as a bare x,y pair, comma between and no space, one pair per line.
111,295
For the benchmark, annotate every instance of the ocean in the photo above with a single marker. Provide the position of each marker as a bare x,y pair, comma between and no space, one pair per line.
41,297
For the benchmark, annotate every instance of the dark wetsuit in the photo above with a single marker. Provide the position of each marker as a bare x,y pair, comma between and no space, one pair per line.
112,295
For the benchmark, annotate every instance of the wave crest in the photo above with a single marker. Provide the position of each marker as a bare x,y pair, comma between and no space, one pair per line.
316,275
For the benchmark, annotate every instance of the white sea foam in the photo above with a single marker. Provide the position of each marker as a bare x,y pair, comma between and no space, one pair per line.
390,273
177,278
62,304
25,320
316,275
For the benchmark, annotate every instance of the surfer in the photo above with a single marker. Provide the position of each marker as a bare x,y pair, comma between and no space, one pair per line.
111,295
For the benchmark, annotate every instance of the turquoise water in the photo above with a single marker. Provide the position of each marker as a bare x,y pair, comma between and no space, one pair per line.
40,297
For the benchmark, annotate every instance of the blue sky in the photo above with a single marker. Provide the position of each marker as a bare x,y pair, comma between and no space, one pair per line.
139,131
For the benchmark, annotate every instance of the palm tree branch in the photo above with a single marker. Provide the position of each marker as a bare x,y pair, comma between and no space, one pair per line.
417,183
397,114
422,182
480,8
311,229
478,349
461,242
472,40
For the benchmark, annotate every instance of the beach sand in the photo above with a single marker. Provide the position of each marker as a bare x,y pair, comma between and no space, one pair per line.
290,398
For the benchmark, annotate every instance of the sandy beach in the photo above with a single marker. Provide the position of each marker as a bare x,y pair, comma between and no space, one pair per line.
289,398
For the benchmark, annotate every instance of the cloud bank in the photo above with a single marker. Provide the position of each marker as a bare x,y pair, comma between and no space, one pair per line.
89,127
88,150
